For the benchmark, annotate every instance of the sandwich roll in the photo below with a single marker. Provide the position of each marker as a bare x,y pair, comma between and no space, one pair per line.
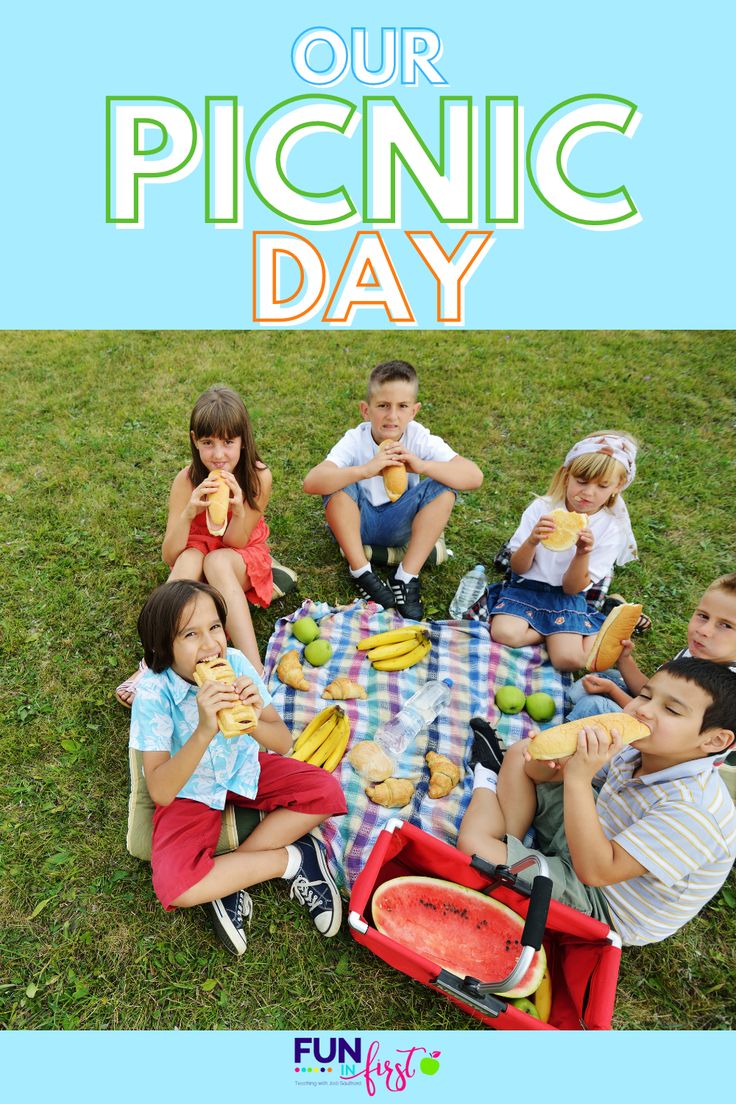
608,644
217,506
567,526
236,719
558,742
395,479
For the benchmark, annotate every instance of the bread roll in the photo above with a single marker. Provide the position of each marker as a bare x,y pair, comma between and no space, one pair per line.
618,626
236,719
555,743
369,759
567,526
395,479
217,506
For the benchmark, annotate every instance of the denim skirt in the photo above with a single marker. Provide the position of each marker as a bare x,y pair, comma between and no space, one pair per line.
546,608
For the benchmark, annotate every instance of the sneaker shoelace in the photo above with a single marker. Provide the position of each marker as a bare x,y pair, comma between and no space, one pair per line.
244,907
305,895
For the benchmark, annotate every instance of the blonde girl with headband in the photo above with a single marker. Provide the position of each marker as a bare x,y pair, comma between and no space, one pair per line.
545,598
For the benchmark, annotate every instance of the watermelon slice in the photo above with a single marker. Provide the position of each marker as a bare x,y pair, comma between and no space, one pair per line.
461,930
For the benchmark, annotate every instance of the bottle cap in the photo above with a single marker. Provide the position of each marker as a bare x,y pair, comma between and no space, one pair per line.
448,682
479,567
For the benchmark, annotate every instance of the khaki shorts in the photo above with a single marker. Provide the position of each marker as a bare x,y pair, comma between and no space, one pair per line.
552,844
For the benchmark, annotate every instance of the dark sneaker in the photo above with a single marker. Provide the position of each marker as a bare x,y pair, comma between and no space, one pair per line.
284,580
408,600
229,916
486,749
314,887
372,586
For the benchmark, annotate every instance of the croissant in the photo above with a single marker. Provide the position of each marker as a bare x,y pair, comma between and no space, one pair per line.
443,774
290,671
235,719
395,479
393,793
217,507
342,688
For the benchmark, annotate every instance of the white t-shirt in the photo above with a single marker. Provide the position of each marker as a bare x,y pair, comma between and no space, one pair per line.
357,447
550,567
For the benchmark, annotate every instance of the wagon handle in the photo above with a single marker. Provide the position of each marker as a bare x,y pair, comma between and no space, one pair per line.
536,918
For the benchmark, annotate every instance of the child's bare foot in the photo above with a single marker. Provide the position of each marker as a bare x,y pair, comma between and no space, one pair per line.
126,690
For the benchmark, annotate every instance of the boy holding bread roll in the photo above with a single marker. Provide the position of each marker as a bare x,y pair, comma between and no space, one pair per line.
636,825
711,634
390,482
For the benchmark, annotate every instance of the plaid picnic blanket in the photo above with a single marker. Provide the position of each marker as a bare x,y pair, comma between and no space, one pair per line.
462,651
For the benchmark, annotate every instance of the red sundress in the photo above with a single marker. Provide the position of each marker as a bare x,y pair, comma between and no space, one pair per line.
256,556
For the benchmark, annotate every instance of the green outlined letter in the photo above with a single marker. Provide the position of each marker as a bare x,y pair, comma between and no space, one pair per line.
131,162
446,183
551,143
274,137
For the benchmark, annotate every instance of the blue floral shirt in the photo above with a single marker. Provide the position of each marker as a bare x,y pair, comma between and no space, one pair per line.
165,715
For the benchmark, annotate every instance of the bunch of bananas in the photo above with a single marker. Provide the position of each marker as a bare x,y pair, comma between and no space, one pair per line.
398,649
324,740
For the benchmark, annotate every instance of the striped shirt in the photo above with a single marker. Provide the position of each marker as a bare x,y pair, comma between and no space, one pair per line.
679,823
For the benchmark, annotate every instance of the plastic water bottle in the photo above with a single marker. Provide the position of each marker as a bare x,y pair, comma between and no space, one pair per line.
420,710
471,587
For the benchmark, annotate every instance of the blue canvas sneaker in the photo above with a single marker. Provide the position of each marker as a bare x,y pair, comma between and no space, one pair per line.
229,916
313,886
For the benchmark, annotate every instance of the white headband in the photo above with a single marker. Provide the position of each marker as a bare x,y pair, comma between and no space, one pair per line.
620,448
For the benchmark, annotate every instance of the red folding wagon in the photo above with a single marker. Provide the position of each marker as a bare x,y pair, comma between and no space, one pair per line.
583,954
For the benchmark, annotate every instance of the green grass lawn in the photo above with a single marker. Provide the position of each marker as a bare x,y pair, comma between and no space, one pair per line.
94,428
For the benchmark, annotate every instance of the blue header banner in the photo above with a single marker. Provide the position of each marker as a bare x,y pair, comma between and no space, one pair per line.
483,166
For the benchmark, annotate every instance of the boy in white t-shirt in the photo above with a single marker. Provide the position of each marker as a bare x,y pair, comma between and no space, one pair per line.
358,508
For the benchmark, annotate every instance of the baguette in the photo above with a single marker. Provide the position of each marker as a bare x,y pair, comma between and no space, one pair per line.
395,479
618,626
562,740
237,719
567,526
217,506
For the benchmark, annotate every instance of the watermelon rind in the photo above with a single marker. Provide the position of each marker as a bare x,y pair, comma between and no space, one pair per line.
460,929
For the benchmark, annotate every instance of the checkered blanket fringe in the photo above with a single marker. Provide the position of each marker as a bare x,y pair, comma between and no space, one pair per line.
462,651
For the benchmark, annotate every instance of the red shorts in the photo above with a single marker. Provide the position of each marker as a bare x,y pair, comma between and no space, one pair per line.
256,556
185,833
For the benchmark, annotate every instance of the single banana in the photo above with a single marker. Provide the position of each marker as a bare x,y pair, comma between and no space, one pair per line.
323,753
313,725
317,738
339,751
400,663
392,637
389,651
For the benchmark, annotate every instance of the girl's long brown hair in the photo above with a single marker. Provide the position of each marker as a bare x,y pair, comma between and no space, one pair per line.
220,412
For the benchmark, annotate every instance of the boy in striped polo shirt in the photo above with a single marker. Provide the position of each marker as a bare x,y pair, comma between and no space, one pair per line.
640,837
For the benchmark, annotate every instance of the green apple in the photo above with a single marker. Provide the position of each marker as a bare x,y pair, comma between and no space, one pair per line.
526,1006
429,1066
305,630
510,699
318,652
540,707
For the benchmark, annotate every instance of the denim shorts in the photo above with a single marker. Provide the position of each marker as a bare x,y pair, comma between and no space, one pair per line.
592,705
389,525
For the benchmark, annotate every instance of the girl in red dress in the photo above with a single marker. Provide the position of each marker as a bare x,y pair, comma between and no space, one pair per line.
238,563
